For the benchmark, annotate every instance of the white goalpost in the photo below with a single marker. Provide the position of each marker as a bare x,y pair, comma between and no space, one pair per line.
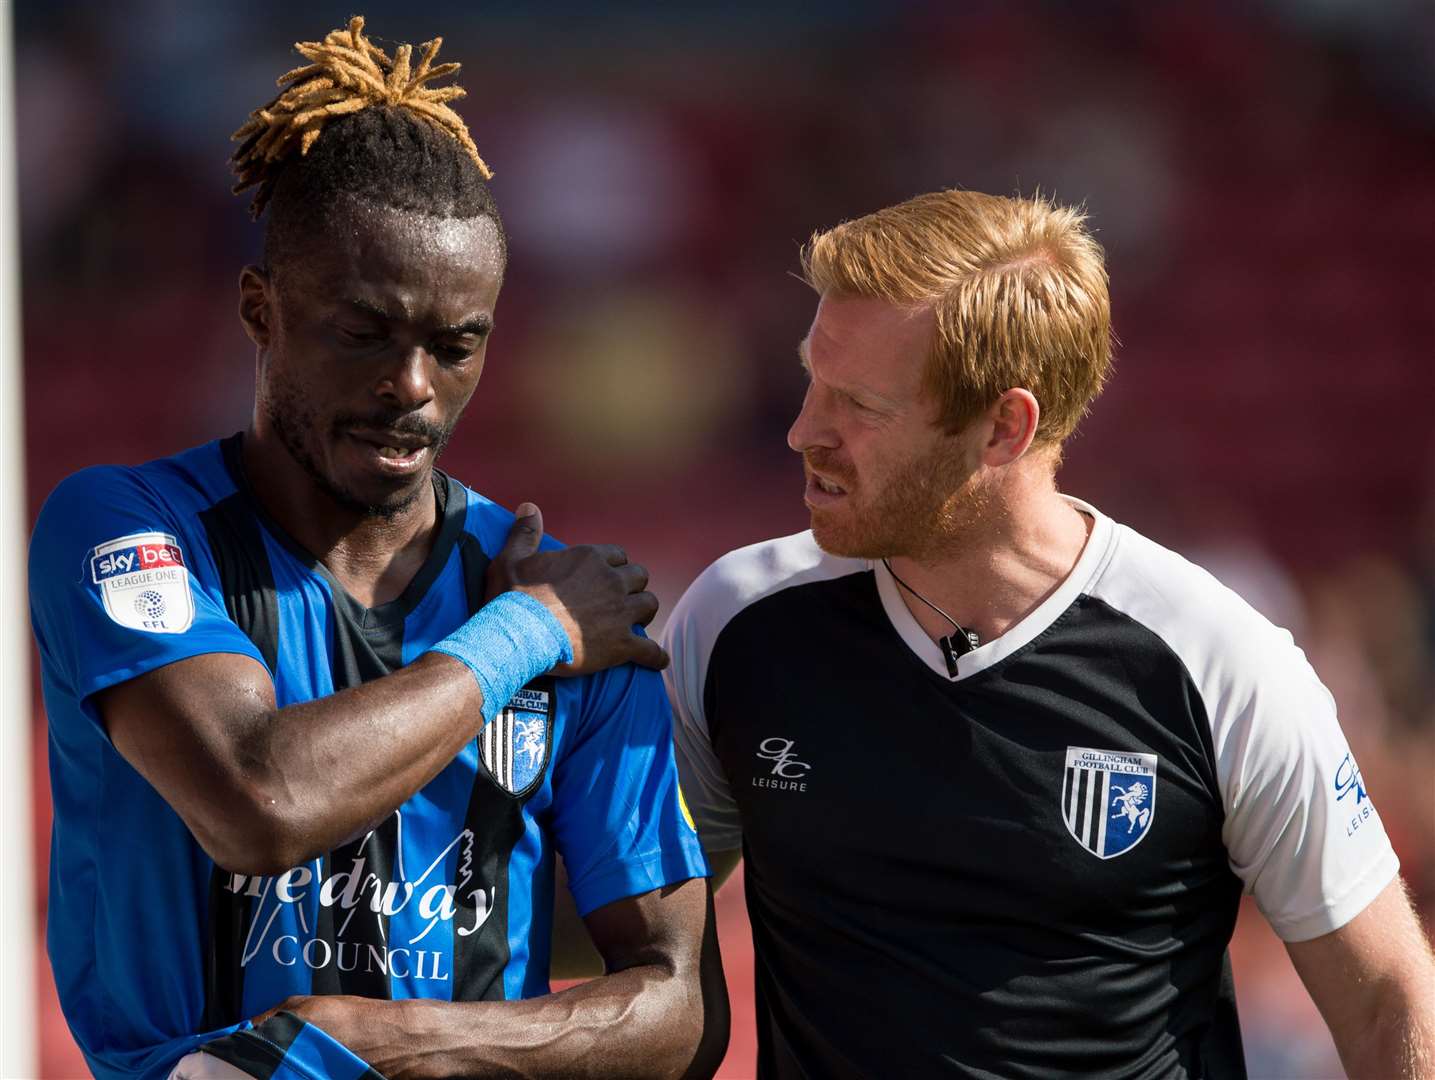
18,1014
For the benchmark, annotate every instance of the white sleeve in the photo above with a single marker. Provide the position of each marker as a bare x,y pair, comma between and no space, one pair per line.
1300,830
689,637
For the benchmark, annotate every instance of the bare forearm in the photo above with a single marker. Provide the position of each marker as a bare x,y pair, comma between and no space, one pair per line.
636,1023
336,766
1399,1041
662,1012
620,1025
1374,982
264,788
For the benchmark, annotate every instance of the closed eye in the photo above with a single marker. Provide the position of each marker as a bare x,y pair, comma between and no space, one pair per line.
453,352
360,338
858,404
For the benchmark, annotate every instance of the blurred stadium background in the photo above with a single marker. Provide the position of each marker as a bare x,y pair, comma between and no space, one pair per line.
1262,175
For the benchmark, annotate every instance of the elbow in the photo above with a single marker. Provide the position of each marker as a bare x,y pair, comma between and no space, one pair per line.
687,1033
711,1039
707,1005
253,834
257,856
710,1022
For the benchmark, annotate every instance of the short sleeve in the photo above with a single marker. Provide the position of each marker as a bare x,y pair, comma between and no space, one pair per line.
618,815
1299,828
113,592
1301,831
688,638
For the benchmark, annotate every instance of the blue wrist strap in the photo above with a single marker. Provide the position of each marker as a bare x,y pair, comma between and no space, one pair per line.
510,640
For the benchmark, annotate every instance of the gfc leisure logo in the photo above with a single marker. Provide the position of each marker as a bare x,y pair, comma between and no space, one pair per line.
788,771
1348,783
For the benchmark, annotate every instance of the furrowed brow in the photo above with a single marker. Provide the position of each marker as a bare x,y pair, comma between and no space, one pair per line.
477,326
373,309
864,395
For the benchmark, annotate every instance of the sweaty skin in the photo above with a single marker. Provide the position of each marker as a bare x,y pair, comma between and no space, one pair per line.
661,954
367,351
334,383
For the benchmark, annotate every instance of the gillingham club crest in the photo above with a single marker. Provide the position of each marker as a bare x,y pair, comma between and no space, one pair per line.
514,746
1108,799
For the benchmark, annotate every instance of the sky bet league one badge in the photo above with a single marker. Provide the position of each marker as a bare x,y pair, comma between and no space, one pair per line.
143,583
1108,799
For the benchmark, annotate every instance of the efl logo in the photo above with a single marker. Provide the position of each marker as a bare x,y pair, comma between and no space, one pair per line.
129,560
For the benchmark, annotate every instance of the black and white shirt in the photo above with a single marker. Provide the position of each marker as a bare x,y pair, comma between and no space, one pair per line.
1030,869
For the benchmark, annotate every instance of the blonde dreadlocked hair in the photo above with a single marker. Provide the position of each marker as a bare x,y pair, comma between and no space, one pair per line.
347,73
354,125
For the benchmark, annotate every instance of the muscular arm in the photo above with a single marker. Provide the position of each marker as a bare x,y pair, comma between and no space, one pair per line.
574,954
1374,983
261,788
264,788
661,1011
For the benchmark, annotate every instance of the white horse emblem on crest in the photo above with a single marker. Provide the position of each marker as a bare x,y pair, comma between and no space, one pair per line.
529,740
1128,804
514,745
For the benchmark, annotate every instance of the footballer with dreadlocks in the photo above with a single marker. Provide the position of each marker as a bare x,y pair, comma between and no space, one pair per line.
322,717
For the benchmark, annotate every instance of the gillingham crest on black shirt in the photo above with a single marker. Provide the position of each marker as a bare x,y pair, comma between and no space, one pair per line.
1108,799
1029,868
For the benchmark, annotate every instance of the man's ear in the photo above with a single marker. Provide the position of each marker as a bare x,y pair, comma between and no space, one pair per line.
256,304
1013,419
